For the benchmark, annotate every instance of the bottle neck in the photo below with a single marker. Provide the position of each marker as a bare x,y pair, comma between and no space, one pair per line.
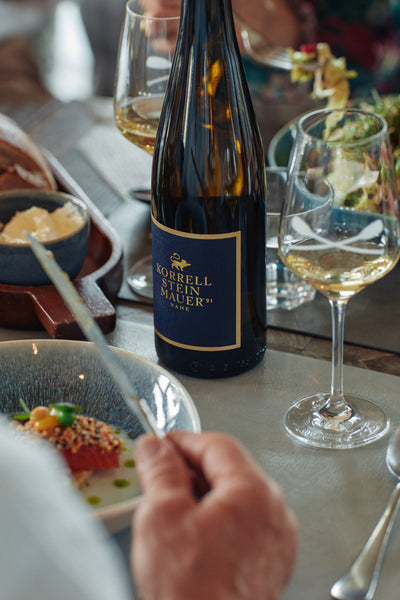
207,14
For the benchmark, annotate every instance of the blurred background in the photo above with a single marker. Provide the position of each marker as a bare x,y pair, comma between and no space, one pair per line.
67,50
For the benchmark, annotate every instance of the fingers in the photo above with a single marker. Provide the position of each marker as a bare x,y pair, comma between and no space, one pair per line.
291,535
162,471
162,8
249,506
235,478
238,541
218,456
276,22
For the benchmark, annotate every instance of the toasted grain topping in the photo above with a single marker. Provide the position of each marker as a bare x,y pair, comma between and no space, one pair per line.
85,431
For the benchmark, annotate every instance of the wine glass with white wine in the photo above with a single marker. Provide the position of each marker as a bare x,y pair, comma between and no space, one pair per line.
144,62
339,231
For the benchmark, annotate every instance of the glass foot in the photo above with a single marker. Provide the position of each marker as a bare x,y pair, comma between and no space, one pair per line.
366,423
140,277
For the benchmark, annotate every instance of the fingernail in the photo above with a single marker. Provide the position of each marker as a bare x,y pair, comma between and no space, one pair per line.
147,448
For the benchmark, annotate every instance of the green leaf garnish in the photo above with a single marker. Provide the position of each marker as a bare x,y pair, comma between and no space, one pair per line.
24,406
67,406
65,412
22,416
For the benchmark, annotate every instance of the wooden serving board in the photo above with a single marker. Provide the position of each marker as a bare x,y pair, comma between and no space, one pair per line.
98,282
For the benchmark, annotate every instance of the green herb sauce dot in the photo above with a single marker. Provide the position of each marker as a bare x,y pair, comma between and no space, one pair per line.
121,483
130,463
93,500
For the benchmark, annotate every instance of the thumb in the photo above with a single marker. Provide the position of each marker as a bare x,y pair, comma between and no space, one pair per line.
162,470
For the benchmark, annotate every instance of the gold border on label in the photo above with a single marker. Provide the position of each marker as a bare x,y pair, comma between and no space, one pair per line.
211,236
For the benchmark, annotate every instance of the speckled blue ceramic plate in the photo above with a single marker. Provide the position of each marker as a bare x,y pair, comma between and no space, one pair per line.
46,371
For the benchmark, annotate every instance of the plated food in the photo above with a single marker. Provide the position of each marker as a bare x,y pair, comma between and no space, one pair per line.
55,215
97,456
331,75
31,303
387,107
22,165
85,444
356,186
362,197
30,201
44,225
54,373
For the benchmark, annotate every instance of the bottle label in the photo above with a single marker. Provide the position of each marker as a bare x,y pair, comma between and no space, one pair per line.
197,283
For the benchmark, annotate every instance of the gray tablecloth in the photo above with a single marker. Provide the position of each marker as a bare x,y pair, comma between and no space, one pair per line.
337,495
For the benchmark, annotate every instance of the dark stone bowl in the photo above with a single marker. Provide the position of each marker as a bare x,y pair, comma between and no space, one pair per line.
18,264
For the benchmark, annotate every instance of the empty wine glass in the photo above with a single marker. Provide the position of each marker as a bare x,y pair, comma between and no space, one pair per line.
339,231
144,62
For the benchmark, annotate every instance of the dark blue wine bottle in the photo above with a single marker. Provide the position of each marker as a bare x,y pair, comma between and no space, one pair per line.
208,205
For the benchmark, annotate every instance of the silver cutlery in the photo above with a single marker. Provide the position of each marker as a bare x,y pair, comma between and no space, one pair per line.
270,55
360,581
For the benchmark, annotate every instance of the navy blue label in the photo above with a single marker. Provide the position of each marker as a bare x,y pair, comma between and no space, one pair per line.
196,280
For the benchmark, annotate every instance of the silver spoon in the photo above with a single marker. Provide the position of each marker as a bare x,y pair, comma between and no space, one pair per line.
360,581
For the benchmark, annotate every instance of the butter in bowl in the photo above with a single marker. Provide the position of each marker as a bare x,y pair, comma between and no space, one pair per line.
59,220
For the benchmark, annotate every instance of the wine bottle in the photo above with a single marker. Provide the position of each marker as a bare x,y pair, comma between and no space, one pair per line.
208,205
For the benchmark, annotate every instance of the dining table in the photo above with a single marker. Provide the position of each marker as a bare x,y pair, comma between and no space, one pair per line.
337,495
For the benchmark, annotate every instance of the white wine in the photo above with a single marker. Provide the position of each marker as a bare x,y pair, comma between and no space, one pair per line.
339,274
138,120
208,186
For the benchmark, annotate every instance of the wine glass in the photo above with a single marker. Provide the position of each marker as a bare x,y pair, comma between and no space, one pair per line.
144,62
339,231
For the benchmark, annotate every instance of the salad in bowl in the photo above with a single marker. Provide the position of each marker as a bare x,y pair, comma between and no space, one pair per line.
356,185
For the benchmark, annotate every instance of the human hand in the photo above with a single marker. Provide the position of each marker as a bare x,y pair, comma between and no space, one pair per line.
237,542
275,22
163,33
161,8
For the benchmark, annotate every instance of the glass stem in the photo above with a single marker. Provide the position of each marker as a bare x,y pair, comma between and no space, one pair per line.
336,407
